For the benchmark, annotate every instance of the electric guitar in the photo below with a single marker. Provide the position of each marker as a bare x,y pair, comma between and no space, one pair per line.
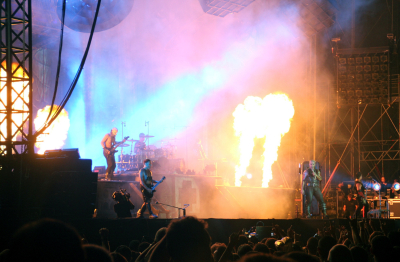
112,151
153,189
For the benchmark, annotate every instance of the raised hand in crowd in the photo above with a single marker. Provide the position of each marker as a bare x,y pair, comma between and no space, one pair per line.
104,232
383,226
280,233
343,235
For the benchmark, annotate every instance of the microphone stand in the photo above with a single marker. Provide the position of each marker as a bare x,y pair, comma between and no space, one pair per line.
179,208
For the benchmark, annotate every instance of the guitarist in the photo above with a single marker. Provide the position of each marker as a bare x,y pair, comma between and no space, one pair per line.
361,199
146,186
107,144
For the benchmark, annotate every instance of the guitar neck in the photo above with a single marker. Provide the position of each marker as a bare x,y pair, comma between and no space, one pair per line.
159,182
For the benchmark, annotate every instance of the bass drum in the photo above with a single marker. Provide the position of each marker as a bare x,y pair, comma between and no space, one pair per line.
159,153
124,162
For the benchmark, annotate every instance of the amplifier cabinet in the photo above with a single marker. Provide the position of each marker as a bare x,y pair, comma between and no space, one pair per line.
394,207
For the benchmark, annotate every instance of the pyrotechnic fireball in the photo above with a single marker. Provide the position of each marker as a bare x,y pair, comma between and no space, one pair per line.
56,134
267,118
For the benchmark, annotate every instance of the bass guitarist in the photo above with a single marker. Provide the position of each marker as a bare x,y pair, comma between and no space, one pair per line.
147,188
108,144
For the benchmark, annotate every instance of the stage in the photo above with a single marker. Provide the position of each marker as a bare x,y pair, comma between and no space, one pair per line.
205,195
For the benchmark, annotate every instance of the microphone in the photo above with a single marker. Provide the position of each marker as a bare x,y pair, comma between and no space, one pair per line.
145,123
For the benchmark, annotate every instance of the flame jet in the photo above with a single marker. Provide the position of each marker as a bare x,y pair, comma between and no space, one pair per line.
267,118
56,134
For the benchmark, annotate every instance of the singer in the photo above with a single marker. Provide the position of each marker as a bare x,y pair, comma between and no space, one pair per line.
311,187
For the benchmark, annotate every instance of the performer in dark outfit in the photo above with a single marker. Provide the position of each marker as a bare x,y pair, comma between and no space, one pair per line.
140,145
349,206
361,199
311,188
107,144
146,186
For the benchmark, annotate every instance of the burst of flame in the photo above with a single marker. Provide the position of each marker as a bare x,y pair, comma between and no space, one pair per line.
258,118
55,135
18,96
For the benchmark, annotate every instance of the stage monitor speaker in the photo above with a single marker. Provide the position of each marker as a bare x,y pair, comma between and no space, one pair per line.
71,153
264,232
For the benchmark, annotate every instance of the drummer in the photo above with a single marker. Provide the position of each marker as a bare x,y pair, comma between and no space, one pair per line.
140,145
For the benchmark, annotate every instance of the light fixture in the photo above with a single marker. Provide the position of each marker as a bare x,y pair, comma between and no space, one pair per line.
396,188
376,187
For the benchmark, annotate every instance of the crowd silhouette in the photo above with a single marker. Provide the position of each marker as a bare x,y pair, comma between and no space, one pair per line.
187,240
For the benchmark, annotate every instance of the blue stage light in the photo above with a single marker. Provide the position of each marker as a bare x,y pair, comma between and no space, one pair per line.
376,186
396,186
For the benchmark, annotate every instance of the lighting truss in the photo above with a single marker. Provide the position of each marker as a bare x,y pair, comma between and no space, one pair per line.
16,77
222,8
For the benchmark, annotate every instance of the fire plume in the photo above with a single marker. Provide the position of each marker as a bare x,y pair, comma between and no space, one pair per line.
56,134
267,118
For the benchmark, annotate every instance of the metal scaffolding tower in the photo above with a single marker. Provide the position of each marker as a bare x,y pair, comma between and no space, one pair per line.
16,78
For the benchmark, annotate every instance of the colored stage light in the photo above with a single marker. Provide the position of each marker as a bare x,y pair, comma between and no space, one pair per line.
249,176
376,187
396,186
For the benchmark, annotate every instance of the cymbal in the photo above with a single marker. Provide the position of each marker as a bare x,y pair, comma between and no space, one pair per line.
132,140
148,136
124,145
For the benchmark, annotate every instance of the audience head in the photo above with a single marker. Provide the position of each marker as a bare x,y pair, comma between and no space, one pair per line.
188,240
143,246
134,244
244,249
324,245
374,234
381,248
271,243
124,251
301,257
242,240
160,234
117,257
340,253
218,253
95,253
359,254
215,246
46,240
312,245
263,258
260,247
394,238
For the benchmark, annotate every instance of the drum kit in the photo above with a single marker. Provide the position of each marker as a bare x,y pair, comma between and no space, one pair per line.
163,157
